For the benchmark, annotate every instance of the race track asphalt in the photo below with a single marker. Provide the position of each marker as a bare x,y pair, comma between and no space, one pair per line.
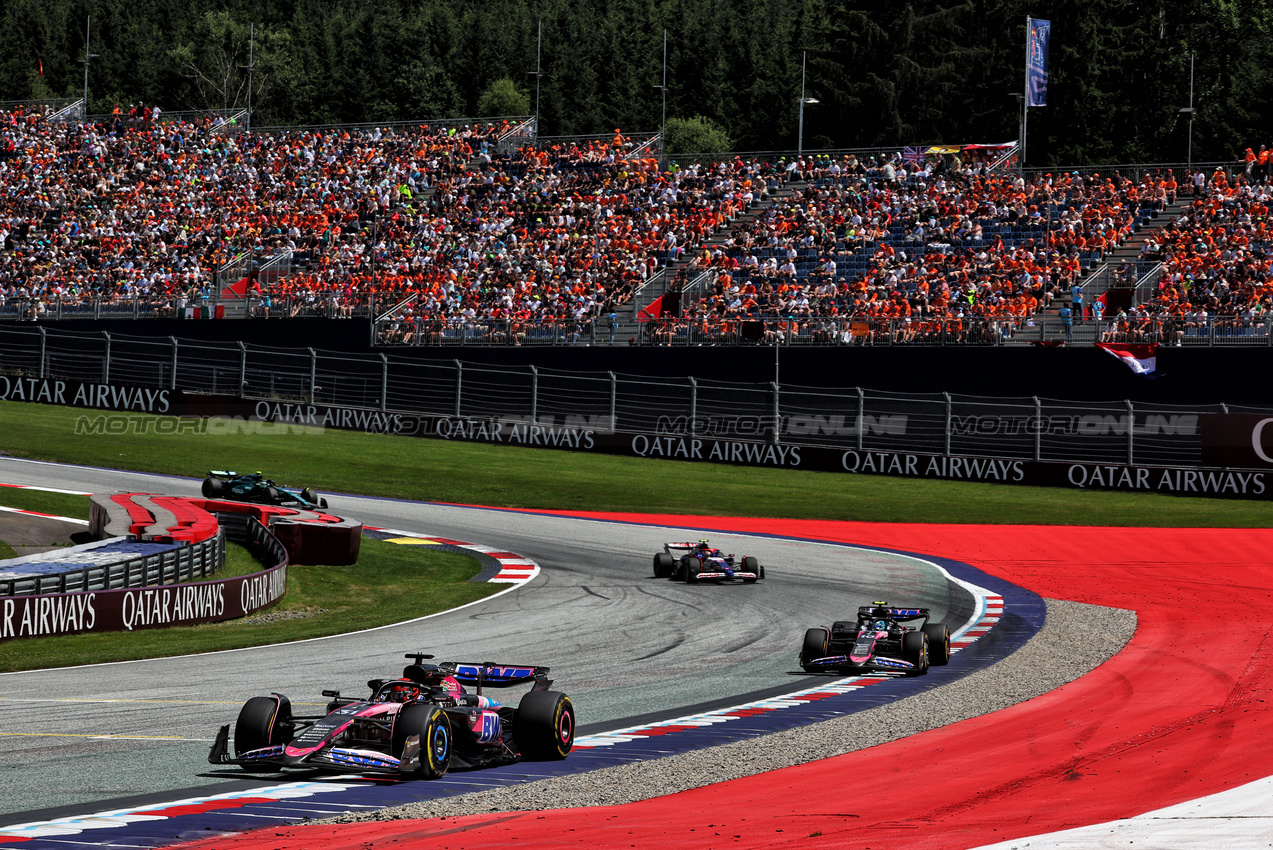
621,642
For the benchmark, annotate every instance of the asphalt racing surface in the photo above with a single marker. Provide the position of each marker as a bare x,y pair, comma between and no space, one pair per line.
623,644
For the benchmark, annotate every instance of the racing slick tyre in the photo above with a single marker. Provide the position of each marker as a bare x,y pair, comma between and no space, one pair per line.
691,571
263,722
750,565
915,650
212,488
664,565
309,496
814,646
544,726
274,495
938,644
431,724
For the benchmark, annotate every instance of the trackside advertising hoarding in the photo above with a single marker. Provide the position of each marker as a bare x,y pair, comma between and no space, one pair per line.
1238,470
594,437
140,607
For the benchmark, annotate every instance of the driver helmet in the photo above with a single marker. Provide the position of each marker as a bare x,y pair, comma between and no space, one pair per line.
402,692
880,625
703,544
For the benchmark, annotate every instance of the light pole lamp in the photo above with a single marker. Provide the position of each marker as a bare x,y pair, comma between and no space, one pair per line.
87,60
663,88
804,56
538,73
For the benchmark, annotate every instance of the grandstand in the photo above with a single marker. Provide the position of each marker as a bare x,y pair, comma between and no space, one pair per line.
479,232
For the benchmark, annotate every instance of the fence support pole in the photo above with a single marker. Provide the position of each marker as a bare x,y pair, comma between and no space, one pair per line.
43,345
1131,429
861,424
1038,429
693,406
534,394
459,386
313,373
614,394
106,364
243,370
384,382
172,379
947,397
777,413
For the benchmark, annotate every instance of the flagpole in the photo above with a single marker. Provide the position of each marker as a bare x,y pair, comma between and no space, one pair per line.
1025,104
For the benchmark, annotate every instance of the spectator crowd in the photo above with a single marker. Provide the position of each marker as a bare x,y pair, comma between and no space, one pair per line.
439,224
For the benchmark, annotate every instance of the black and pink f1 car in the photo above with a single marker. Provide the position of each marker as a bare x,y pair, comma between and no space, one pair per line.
877,641
701,562
419,725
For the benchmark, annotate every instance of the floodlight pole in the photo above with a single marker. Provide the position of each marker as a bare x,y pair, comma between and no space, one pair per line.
804,58
250,67
87,60
663,89
1189,154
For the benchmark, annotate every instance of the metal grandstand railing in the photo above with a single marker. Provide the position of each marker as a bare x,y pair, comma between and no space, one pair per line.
848,418
524,134
431,123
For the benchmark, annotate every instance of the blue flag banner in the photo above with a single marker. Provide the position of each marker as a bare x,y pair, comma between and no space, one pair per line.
1038,35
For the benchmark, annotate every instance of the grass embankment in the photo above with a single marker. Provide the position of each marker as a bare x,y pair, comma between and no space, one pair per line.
389,584
474,473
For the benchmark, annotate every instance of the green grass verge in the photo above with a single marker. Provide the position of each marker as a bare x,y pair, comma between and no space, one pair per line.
57,504
473,473
389,584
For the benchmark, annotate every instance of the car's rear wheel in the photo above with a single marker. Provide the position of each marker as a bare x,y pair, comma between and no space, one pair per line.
915,650
212,488
938,644
274,495
433,727
544,726
815,646
664,564
263,722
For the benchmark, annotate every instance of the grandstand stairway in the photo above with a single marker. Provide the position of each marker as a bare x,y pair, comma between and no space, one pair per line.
1096,279
628,324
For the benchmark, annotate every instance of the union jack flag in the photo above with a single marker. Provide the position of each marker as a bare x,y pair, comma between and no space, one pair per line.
912,154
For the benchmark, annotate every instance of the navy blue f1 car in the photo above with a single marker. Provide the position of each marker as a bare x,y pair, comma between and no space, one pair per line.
878,640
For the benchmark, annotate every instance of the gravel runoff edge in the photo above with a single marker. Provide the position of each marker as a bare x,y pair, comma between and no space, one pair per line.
1075,639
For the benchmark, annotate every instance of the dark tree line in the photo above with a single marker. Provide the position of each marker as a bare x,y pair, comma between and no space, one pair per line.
884,73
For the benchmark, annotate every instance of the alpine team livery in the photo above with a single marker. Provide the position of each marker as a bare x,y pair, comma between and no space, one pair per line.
420,725
877,641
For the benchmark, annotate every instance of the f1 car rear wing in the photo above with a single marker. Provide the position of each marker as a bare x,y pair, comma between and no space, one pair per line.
869,611
491,675
488,673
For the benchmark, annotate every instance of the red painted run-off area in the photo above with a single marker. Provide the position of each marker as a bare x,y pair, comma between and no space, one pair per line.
1182,712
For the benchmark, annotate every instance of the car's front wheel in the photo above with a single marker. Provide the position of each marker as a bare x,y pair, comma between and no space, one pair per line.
915,650
430,723
263,722
814,646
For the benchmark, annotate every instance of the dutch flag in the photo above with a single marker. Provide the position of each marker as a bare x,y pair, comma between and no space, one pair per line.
1141,358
